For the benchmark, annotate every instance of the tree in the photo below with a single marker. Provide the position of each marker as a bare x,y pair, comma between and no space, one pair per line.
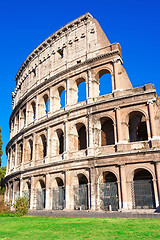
2,175
1,153
3,169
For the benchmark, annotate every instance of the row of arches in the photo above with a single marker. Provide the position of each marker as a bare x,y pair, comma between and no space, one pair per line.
108,192
137,130
34,110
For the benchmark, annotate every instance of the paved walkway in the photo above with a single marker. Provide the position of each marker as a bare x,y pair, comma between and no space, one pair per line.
63,213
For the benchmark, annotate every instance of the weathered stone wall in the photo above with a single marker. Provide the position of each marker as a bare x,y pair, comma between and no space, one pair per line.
71,148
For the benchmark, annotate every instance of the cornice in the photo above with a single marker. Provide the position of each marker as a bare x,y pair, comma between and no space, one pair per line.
53,38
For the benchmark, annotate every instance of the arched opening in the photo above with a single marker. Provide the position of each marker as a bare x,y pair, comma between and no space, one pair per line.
46,102
81,90
27,191
137,127
16,189
60,141
61,91
23,118
58,195
109,192
105,82
142,190
44,146
40,195
30,150
21,152
81,201
107,132
33,110
82,141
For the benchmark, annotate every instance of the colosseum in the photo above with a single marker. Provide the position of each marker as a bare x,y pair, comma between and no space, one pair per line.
74,145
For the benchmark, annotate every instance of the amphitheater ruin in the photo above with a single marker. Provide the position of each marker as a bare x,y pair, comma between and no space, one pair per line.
73,145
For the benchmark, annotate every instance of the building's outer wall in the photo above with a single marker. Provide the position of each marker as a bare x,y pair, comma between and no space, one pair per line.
86,52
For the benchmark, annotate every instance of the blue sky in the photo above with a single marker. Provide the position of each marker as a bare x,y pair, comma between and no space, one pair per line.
25,24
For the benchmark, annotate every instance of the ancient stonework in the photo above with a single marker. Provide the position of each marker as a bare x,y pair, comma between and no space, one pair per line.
102,153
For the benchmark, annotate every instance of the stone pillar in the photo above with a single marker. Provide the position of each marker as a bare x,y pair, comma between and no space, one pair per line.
21,187
123,186
48,189
69,191
13,194
15,161
155,192
72,90
157,167
119,194
93,188
152,118
118,124
33,193
37,107
34,150
49,138
90,146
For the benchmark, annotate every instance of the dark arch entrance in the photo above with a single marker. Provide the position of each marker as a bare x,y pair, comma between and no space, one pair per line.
81,193
143,191
58,202
41,196
109,192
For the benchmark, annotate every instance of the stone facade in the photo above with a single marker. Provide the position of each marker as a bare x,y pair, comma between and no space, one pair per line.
101,153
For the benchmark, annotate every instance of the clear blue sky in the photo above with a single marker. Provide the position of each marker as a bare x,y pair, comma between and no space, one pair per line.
25,24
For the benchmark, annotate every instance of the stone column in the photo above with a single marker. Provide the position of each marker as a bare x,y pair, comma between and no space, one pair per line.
157,166
49,144
93,188
68,191
119,194
33,192
118,124
13,194
21,187
152,118
90,146
48,189
155,192
123,186
15,161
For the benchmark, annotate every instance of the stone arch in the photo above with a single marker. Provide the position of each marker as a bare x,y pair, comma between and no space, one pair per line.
108,191
107,131
103,76
30,142
81,89
41,194
58,200
46,103
27,190
32,111
81,193
82,136
137,126
60,145
44,145
143,195
62,97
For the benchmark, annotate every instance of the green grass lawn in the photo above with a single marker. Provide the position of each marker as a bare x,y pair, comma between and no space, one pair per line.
78,228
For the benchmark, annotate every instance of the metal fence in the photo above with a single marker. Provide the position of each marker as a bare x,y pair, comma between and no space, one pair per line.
81,197
109,196
58,200
143,194
40,199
